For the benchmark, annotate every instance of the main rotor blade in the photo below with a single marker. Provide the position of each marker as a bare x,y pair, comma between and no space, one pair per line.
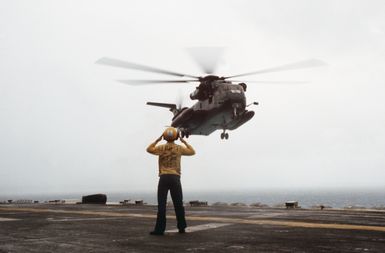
207,58
270,82
311,63
171,106
148,82
130,65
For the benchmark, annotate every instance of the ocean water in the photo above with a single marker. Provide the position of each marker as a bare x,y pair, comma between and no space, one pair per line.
306,197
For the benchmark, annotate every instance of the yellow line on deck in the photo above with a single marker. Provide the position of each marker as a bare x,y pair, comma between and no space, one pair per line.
207,218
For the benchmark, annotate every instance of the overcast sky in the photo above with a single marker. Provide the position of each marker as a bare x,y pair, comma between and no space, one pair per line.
66,125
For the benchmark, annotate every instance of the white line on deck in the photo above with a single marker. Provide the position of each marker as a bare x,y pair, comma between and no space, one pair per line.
7,219
201,227
265,215
82,219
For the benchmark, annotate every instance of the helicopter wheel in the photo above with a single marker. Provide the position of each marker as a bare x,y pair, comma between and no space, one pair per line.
182,134
187,135
224,135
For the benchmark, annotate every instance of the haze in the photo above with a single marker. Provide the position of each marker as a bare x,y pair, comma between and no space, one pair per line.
66,125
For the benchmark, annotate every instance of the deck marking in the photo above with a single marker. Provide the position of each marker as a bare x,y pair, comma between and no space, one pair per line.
265,215
81,219
288,223
201,227
7,219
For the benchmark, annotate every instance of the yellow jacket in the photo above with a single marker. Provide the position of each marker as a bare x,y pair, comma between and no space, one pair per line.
169,156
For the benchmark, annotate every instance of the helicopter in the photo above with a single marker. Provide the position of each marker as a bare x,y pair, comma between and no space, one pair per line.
220,100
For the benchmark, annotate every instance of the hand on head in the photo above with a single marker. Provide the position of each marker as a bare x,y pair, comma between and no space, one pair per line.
182,140
159,138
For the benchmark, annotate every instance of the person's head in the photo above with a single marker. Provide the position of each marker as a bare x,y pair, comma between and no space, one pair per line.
170,134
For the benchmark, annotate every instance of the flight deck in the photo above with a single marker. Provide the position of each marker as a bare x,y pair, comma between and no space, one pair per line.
125,228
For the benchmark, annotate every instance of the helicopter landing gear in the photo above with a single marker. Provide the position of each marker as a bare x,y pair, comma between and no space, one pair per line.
184,134
224,135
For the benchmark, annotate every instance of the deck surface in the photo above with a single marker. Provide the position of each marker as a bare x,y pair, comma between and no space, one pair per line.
98,228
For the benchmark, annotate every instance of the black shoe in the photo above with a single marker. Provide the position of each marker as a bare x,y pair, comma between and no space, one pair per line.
182,231
156,233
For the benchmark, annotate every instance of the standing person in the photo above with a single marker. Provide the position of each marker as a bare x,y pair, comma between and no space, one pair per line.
169,177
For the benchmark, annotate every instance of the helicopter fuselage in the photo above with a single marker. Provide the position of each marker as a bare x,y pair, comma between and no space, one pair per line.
224,109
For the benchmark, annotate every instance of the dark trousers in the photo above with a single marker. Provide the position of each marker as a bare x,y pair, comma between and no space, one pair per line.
172,183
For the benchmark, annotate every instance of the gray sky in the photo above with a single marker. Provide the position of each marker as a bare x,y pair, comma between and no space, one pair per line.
67,126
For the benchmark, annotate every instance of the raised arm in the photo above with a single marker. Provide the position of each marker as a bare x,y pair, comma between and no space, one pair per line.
152,147
188,150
